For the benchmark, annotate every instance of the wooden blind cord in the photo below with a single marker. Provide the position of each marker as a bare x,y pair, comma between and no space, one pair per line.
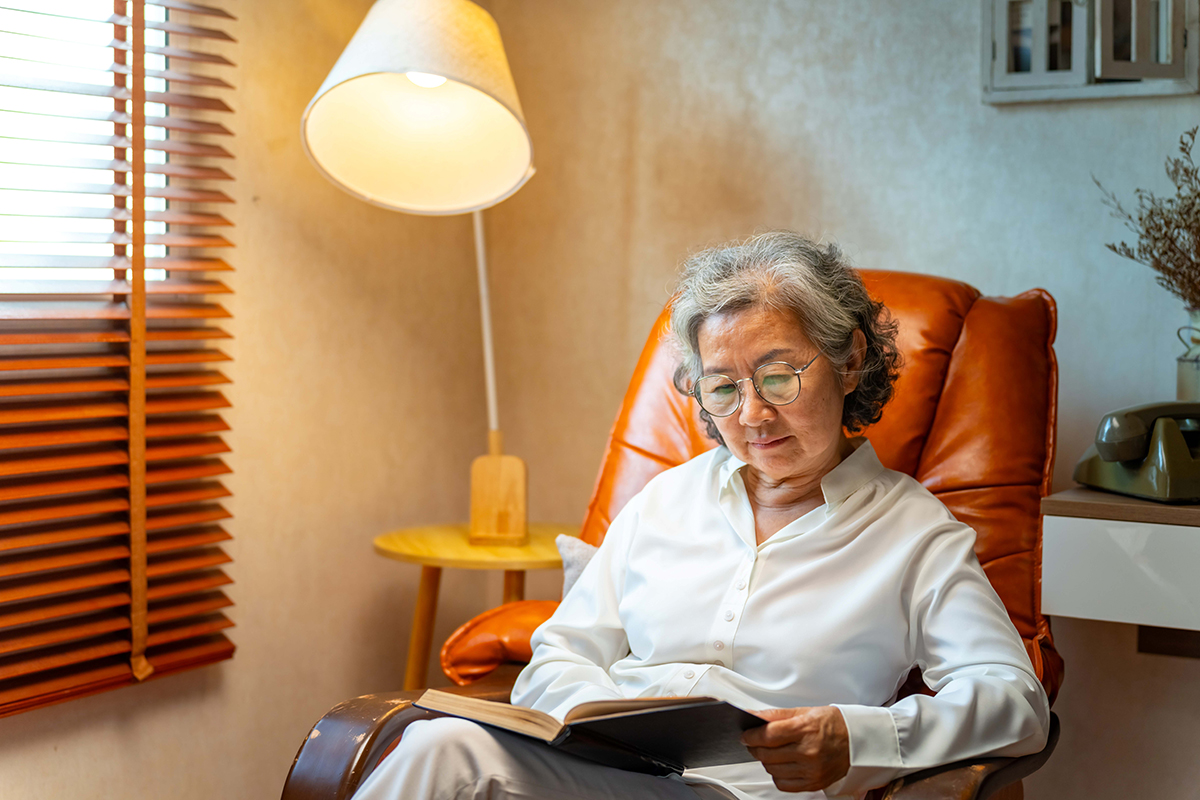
139,627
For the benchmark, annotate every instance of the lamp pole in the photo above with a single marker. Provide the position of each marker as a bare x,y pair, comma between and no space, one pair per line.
495,439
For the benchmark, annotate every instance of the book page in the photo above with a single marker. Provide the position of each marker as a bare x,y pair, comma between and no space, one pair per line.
490,712
600,708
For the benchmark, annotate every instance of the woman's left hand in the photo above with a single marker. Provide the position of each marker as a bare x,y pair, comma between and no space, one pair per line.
804,749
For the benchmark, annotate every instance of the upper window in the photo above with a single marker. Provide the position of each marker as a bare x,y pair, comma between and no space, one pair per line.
1080,49
50,140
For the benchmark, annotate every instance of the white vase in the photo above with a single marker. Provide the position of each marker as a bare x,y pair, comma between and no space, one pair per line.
1187,375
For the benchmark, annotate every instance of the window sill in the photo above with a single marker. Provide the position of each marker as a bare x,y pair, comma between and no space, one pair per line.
1092,91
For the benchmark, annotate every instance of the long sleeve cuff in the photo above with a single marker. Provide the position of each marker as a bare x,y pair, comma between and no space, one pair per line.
874,740
874,750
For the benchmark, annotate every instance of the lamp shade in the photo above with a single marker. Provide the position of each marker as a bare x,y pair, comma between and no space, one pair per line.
420,113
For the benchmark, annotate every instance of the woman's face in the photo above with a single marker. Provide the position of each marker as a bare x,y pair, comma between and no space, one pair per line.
800,440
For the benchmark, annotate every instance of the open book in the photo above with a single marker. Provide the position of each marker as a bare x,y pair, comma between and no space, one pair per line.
656,735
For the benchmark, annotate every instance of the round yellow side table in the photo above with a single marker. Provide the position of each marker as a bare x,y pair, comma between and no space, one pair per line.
437,546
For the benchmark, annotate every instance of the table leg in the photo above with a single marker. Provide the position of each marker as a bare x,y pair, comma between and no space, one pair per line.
514,585
422,629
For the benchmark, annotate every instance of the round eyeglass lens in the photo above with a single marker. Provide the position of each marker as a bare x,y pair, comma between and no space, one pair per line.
717,394
777,383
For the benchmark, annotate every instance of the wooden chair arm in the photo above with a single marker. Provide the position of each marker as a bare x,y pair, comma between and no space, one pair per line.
971,780
349,742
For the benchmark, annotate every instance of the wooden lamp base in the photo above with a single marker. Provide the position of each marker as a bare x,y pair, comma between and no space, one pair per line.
499,493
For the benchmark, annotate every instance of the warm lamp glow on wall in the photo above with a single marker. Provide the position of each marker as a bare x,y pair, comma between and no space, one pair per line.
420,115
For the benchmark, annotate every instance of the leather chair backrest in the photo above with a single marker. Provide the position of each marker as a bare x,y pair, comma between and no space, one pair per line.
972,418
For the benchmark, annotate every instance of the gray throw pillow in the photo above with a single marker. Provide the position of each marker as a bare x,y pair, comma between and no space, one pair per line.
575,556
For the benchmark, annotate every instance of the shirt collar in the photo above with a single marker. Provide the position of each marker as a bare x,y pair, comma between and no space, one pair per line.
855,471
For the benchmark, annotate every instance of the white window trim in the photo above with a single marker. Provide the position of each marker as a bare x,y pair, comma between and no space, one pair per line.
1038,77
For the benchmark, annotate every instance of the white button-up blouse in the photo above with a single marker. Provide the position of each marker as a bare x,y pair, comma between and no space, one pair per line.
833,609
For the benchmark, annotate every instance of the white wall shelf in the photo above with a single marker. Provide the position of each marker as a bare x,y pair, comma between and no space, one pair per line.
1114,558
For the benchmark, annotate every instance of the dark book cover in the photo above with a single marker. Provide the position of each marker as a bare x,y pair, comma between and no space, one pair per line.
662,741
702,734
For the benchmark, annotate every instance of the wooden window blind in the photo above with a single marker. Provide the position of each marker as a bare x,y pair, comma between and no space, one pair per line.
113,135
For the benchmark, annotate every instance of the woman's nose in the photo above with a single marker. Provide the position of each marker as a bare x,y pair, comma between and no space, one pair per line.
754,411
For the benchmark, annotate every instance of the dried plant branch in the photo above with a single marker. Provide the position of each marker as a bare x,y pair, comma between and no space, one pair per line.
1168,228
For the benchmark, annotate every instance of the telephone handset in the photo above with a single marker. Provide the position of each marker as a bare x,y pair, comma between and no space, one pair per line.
1147,451
1125,435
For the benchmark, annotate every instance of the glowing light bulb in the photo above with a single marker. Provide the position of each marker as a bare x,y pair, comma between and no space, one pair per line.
425,80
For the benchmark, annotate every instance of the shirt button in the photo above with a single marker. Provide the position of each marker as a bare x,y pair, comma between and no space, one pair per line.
728,616
719,645
741,585
689,674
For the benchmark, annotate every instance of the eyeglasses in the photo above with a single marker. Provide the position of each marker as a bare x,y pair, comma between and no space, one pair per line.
777,383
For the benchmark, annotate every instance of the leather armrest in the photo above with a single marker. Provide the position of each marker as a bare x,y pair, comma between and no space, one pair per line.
971,780
495,637
349,742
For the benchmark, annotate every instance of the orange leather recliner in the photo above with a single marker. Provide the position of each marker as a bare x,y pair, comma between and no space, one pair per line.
973,419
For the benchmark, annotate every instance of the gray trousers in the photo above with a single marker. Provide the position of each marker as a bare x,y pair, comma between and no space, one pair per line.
453,759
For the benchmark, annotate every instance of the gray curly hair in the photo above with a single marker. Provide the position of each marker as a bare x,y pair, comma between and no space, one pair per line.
789,272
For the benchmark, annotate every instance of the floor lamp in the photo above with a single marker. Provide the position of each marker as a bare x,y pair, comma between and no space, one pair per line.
420,115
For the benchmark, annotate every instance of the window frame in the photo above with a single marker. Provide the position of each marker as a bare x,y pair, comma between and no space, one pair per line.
110,428
1039,88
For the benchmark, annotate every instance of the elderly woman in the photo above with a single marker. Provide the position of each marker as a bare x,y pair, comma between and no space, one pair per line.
786,571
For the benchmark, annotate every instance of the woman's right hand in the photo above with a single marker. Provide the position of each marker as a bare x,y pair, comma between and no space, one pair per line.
804,749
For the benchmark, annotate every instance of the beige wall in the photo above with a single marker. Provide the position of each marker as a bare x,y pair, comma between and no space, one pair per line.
663,126
658,127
